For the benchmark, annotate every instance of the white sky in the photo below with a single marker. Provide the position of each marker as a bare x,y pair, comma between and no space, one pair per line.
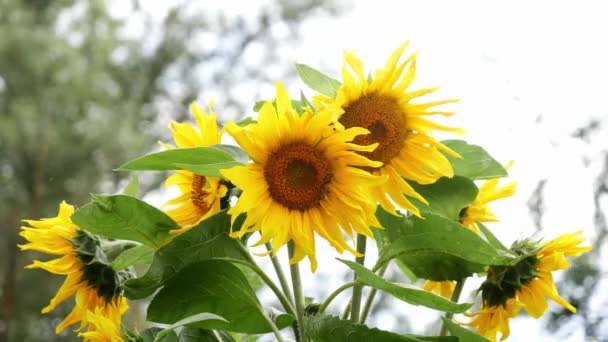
528,73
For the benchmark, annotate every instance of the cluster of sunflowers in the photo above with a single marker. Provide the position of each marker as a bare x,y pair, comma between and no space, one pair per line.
360,162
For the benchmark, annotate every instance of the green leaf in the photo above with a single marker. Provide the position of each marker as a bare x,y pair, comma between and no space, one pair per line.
322,328
281,318
214,286
209,239
297,105
304,101
209,170
254,279
492,240
132,188
317,80
125,217
248,120
236,152
166,160
464,335
259,104
149,335
436,248
201,317
138,255
409,295
406,271
197,335
476,163
446,197
434,338
189,334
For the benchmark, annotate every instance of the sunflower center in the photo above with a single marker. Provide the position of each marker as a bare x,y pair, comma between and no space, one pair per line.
198,194
297,175
384,118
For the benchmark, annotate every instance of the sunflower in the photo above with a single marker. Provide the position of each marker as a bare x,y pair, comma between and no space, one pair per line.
442,288
93,283
478,210
305,179
101,328
406,145
199,195
495,319
526,285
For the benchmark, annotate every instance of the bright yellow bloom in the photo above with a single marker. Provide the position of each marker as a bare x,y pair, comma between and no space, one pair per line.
551,257
200,196
52,236
304,179
478,211
495,319
534,275
384,105
101,328
442,288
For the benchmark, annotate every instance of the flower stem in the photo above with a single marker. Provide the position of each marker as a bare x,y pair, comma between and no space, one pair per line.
370,298
266,279
454,298
279,270
297,293
357,290
273,326
346,311
333,295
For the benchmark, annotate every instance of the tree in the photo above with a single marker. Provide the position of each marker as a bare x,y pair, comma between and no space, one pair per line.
80,94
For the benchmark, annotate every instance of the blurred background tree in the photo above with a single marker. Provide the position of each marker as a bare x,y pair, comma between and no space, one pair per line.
583,283
88,85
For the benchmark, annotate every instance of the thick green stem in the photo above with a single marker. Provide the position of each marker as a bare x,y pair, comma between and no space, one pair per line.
287,306
357,290
333,295
370,298
297,293
273,326
279,270
346,311
455,297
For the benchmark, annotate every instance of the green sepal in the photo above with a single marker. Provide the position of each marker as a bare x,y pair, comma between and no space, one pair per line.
96,269
502,282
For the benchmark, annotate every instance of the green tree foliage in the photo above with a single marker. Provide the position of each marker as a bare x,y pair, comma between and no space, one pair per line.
81,92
